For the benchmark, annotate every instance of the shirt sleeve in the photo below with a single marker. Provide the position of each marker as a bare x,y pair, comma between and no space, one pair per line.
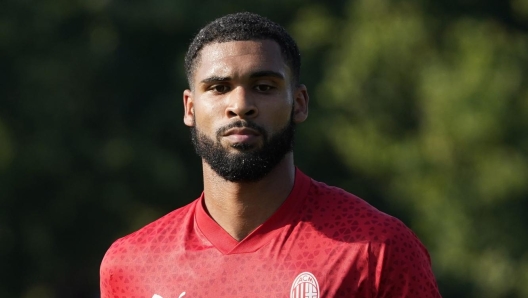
403,267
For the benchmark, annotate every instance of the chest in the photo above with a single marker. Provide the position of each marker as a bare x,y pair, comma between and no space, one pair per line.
295,272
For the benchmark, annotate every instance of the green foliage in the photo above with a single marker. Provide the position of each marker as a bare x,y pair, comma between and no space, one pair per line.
419,107
438,113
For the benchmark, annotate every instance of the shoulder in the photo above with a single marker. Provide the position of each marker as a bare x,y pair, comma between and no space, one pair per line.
139,242
346,218
133,253
401,262
351,219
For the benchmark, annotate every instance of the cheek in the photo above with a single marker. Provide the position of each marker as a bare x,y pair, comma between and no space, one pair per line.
205,117
279,116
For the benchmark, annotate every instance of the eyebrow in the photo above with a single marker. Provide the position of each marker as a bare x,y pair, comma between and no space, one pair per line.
215,79
267,73
258,74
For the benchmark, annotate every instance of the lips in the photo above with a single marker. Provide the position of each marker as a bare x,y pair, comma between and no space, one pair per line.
241,131
241,135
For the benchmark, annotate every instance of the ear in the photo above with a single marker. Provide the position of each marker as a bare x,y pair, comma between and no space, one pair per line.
188,107
300,104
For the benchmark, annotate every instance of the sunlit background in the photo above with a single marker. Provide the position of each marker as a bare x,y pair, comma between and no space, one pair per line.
419,107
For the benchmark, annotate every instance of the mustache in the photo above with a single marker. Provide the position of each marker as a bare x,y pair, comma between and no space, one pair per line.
241,124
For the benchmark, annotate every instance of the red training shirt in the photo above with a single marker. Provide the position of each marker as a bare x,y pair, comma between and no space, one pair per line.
321,242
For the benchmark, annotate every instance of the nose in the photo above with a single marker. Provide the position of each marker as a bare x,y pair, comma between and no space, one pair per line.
241,104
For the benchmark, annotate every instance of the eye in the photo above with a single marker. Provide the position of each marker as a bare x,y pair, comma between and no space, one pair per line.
263,88
219,88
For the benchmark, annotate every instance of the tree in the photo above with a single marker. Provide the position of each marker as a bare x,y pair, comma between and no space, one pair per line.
435,112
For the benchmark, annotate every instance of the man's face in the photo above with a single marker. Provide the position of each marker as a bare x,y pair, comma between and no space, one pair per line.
243,108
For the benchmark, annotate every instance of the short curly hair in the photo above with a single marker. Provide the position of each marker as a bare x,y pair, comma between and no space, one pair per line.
240,27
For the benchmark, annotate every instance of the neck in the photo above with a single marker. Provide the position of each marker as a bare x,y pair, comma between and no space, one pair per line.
240,207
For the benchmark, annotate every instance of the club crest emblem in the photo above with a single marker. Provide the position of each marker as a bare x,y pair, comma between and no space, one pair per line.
305,286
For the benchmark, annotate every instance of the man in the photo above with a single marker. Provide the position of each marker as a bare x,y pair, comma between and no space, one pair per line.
261,228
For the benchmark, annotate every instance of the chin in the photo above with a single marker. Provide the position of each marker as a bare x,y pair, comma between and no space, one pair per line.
244,146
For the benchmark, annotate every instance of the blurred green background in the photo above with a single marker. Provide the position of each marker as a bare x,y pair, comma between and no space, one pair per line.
419,107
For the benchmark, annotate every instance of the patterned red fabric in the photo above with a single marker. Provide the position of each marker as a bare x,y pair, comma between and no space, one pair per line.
322,242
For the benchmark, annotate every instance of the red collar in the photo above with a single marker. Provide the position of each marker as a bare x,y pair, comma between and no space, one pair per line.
263,233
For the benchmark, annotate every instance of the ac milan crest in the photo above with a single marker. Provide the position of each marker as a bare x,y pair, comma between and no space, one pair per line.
305,286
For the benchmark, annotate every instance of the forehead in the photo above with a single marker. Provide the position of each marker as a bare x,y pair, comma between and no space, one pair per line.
237,58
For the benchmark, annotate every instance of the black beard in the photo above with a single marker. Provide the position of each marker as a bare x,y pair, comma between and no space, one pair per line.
248,164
